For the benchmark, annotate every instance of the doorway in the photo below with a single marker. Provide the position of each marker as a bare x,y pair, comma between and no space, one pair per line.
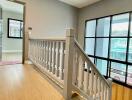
11,32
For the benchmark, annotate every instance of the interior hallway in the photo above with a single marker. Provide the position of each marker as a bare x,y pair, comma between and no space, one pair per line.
22,82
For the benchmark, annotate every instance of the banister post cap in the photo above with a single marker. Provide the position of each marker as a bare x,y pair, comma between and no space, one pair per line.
109,80
70,32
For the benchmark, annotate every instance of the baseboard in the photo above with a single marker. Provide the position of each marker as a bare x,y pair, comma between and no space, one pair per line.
11,51
27,62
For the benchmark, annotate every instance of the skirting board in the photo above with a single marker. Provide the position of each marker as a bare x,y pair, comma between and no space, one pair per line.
28,62
11,51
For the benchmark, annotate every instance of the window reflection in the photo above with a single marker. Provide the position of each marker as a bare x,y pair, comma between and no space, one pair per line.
120,25
102,66
90,28
89,46
129,75
103,27
118,49
118,71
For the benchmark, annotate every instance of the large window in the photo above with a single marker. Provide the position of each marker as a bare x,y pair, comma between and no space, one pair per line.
108,42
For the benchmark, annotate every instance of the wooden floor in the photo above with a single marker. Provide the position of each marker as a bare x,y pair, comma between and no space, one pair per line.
120,92
22,82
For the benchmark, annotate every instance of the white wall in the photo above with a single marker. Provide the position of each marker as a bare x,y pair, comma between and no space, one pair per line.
100,9
49,18
10,44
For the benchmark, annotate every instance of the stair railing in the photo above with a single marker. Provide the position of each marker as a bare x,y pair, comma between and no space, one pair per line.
87,80
48,55
66,64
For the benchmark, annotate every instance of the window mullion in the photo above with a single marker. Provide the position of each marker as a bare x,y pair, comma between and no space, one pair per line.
95,40
109,45
127,51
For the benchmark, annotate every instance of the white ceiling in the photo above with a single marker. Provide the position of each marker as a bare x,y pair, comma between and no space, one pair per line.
11,6
79,3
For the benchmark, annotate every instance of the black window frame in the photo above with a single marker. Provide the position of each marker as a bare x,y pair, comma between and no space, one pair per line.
21,29
109,45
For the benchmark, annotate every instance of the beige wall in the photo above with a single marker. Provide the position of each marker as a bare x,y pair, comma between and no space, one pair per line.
100,9
49,18
8,43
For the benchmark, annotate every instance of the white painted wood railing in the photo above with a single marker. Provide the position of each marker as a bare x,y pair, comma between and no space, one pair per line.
87,79
65,62
48,55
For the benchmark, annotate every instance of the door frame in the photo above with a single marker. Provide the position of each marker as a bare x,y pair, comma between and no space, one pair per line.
24,20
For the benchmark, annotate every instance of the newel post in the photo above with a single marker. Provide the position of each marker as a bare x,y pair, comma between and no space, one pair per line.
29,42
68,64
110,90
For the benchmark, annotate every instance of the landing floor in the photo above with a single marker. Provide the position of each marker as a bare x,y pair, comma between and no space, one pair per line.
22,82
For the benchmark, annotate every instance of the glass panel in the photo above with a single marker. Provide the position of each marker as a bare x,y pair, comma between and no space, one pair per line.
130,51
89,46
102,66
118,48
14,28
120,25
90,28
21,29
129,76
103,27
131,25
102,47
118,71
0,26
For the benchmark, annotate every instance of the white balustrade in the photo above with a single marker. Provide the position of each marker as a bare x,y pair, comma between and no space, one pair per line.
66,62
89,81
49,55
53,58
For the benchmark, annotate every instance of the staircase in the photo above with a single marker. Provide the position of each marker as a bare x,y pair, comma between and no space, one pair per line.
66,65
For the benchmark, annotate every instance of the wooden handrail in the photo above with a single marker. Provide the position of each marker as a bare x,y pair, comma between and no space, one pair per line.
49,38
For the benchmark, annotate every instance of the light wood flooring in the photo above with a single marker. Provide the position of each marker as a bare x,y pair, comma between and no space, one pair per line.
22,82
120,92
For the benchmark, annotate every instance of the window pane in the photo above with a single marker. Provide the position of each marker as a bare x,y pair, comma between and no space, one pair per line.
14,28
120,25
0,26
90,28
21,29
129,75
102,66
131,25
89,46
118,48
118,71
103,27
102,47
130,51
